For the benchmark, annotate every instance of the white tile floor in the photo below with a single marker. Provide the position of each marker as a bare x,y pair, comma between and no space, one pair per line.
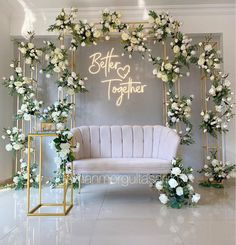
111,214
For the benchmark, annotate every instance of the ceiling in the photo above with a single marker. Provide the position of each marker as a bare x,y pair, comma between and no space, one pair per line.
17,6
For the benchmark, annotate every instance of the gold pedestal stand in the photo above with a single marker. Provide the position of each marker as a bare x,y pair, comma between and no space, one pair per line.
66,206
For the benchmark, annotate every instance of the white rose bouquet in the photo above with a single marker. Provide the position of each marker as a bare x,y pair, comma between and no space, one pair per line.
111,21
179,110
30,53
56,58
17,140
20,178
210,59
18,84
167,71
57,113
29,107
134,40
84,34
71,82
183,50
216,171
64,22
213,123
175,187
163,25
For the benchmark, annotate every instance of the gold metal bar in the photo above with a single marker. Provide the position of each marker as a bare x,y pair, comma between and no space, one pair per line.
35,208
40,170
64,193
28,176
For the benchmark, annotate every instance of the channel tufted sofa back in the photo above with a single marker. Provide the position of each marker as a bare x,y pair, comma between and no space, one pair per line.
126,142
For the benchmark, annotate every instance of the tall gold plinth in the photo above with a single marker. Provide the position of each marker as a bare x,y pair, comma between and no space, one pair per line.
64,205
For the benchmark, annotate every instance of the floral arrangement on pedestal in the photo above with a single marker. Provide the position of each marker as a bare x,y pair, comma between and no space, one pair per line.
216,171
71,83
175,187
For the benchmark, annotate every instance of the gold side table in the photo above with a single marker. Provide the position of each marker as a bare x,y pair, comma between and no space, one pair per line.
66,206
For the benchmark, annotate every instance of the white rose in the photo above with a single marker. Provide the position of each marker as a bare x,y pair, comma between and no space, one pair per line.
26,117
22,50
30,45
164,78
212,91
176,171
60,126
20,90
16,179
18,70
124,36
25,176
201,61
168,66
227,83
176,49
196,197
219,88
28,61
151,19
208,47
172,183
190,187
17,147
83,44
97,34
214,162
159,185
8,147
191,177
57,69
179,191
163,198
183,177
57,180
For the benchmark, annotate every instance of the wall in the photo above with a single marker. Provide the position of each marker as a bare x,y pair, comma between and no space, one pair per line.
6,101
197,20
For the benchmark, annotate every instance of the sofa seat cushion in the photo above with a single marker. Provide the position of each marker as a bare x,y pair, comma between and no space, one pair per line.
122,165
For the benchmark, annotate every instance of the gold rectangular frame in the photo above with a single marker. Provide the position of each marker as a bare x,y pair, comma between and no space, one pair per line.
66,208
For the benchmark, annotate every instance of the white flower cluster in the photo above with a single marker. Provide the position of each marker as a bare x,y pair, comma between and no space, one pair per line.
71,82
17,139
216,170
17,83
84,34
176,188
212,123
56,58
64,22
30,52
167,71
134,40
21,177
57,113
209,60
179,109
29,107
111,22
182,48
163,25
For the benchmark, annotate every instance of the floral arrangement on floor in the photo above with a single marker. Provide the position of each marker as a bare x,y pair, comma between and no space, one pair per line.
216,171
71,82
29,107
57,113
163,25
167,71
179,110
17,139
64,149
134,40
30,53
17,83
84,34
64,22
20,178
111,22
56,58
175,187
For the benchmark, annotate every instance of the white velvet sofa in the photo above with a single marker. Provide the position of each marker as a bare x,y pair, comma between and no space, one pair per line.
124,149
